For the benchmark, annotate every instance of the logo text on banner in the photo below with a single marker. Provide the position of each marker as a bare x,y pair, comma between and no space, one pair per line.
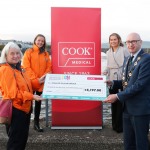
76,54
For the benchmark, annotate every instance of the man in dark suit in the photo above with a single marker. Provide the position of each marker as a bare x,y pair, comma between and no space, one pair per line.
135,96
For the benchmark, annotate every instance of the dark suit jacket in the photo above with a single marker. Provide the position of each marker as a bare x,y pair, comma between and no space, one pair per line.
136,95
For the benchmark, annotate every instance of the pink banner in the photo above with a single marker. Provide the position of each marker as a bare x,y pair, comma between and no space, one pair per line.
76,47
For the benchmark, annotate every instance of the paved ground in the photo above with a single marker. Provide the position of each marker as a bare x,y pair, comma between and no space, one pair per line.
104,139
50,139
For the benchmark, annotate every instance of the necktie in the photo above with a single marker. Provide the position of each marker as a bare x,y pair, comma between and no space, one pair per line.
129,62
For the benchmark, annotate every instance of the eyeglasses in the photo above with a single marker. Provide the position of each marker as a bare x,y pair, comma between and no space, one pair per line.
132,42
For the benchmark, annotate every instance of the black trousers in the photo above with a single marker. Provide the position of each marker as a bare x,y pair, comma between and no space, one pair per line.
37,109
18,130
117,113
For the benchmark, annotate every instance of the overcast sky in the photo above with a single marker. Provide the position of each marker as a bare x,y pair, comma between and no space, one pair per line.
24,19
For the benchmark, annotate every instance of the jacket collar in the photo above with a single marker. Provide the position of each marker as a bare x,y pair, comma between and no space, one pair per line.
36,48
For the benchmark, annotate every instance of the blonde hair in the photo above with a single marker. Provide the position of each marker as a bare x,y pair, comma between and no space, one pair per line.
6,50
118,37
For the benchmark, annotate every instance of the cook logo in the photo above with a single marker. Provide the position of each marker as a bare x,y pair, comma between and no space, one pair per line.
76,54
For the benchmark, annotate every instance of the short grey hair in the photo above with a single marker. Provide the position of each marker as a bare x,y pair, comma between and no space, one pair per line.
6,50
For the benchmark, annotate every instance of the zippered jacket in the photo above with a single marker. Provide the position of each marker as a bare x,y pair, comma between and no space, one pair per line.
16,85
36,64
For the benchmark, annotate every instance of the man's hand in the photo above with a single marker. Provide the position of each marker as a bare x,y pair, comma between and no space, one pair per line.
111,98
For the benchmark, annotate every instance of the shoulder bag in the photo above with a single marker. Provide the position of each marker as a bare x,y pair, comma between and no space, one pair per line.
5,111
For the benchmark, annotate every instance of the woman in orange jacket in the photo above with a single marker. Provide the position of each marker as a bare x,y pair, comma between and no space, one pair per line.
16,85
37,63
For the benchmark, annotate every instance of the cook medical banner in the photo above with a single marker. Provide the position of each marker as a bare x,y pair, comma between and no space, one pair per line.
76,47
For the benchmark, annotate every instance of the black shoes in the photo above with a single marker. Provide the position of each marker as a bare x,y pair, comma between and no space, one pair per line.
38,128
118,130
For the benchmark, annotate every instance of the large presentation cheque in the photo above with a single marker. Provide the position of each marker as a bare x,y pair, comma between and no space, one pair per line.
75,87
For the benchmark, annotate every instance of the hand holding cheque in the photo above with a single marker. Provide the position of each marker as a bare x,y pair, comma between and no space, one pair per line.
112,97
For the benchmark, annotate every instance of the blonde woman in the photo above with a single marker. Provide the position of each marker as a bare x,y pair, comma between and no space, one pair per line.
115,58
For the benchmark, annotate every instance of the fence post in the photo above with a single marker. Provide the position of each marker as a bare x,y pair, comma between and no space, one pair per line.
46,112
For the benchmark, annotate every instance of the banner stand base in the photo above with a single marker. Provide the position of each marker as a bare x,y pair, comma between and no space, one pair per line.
75,127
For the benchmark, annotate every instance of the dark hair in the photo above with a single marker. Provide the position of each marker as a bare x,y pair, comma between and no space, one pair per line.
118,37
42,49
